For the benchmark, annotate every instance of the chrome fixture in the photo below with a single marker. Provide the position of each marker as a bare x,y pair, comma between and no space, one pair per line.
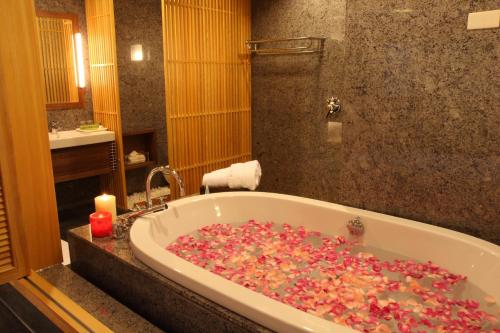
166,171
333,106
125,221
54,127
356,226
290,45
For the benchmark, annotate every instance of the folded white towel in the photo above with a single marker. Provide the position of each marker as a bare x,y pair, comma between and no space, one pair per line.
238,175
134,154
244,175
217,178
138,159
135,157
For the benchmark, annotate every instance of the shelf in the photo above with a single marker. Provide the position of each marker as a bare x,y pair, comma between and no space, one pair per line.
139,165
144,142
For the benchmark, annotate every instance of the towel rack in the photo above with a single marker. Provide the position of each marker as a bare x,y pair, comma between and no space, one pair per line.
289,45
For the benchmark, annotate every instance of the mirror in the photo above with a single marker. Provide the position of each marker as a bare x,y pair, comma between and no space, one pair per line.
62,60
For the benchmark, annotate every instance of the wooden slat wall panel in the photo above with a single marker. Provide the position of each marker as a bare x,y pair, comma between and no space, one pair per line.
104,83
207,82
6,257
58,60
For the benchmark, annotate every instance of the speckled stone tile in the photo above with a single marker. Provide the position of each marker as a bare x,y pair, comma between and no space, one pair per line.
420,121
103,307
142,84
288,98
111,265
70,119
422,118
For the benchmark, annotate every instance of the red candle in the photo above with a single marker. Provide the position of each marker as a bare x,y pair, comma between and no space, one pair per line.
101,224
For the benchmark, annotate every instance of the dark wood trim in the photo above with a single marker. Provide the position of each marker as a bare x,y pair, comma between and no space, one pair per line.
81,162
70,16
80,175
65,106
139,132
139,165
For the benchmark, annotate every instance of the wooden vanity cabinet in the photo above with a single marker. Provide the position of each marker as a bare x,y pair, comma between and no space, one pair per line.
83,161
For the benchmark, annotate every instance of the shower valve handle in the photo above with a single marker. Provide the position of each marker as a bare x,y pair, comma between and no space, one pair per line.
333,106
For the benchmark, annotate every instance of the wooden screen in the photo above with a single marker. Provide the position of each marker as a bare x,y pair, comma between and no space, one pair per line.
6,257
29,229
207,82
58,55
104,84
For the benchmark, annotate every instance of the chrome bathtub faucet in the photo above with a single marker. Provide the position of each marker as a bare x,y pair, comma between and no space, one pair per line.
356,226
125,221
166,171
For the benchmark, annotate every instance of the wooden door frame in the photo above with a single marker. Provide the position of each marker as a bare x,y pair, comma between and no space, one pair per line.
25,160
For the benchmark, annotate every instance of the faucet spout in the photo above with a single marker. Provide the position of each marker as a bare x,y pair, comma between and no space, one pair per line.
166,171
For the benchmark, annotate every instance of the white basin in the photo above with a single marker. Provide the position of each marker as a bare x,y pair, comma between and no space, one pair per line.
65,139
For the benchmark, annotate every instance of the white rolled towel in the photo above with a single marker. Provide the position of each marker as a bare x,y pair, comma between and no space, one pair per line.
217,178
244,175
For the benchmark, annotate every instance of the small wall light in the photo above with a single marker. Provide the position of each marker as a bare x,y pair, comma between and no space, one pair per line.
79,60
136,52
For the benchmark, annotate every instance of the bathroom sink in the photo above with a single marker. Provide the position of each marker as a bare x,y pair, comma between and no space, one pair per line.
66,139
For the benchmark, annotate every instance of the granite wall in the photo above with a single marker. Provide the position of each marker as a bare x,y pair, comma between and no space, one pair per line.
70,119
288,98
142,84
419,134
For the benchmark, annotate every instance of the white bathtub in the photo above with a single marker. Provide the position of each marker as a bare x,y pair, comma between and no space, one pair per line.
462,254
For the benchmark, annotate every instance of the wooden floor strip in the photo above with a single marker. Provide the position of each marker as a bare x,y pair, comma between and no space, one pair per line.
59,308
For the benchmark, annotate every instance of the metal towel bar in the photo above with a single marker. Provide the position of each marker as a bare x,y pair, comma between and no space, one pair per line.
295,45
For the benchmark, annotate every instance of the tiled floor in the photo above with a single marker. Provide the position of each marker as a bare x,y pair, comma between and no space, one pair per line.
102,306
16,313
19,315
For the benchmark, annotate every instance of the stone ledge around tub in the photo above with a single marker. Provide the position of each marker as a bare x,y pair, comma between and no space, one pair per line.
111,265
106,309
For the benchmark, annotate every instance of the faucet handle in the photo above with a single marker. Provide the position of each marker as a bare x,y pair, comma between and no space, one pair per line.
53,127
137,207
333,106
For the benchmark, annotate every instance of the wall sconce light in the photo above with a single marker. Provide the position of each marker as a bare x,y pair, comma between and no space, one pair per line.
136,52
79,60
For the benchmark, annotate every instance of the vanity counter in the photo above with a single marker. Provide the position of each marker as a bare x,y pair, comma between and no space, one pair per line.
74,138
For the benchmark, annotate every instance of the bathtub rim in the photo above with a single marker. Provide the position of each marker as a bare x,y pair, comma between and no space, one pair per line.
191,276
